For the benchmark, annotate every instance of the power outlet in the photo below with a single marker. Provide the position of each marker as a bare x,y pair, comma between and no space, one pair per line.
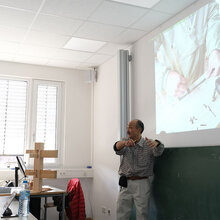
61,174
109,212
104,210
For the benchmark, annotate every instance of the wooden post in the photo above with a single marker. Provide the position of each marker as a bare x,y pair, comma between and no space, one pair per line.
39,154
38,166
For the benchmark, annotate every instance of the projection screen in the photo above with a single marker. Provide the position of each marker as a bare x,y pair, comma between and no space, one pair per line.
187,73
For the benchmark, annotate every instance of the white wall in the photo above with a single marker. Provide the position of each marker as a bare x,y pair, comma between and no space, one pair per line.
76,151
106,117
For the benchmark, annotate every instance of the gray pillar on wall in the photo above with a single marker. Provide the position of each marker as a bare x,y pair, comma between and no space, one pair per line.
124,99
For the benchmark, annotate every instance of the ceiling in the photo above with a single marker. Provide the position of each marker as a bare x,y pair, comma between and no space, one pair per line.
35,31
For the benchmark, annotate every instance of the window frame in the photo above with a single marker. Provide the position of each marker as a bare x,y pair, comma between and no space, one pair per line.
31,116
59,119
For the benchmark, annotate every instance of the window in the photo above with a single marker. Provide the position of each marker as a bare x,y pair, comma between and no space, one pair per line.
44,116
47,115
13,96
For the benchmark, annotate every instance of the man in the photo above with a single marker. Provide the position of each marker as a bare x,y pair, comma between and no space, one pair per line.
136,171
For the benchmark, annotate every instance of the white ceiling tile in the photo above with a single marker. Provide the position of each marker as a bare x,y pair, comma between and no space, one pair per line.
30,60
46,39
32,50
56,24
80,9
172,6
117,14
95,31
98,59
63,63
32,5
15,18
112,49
156,18
129,36
12,34
9,47
76,56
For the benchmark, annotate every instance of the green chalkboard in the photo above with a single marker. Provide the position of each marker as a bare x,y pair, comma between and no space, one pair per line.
187,184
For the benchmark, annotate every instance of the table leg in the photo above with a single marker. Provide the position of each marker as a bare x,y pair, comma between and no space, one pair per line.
63,207
45,209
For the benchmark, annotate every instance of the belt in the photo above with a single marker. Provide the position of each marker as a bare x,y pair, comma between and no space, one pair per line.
137,177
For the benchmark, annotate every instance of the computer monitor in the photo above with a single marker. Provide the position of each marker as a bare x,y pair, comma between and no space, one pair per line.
21,167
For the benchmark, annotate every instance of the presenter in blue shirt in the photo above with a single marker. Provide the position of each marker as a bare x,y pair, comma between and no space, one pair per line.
136,171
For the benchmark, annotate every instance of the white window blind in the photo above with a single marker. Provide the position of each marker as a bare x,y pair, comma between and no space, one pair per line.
13,101
46,127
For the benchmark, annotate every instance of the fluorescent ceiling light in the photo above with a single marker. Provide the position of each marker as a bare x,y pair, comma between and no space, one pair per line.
83,44
139,3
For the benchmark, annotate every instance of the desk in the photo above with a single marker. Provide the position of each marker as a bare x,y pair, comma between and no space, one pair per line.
14,208
50,193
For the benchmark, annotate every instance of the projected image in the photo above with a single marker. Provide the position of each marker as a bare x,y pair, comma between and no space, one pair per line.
187,73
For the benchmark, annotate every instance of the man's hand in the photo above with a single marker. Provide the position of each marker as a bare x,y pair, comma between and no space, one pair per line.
122,144
129,143
176,84
151,143
214,63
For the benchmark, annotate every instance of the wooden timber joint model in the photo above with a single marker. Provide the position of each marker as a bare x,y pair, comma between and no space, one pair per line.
38,173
